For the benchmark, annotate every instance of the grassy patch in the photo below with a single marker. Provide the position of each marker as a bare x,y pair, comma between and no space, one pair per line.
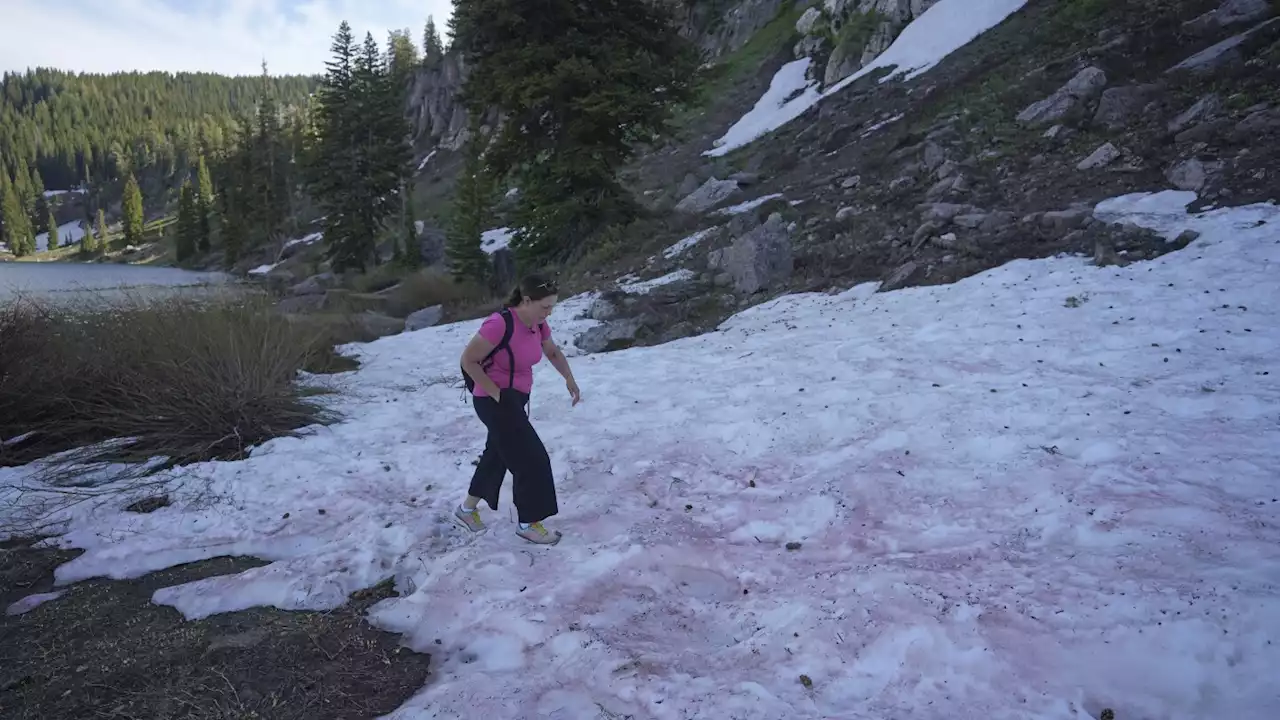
733,68
857,30
104,650
425,288
188,377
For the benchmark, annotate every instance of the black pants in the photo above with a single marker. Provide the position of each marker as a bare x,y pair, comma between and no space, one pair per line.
514,445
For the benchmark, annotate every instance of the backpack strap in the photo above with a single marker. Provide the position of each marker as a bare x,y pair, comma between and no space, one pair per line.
506,344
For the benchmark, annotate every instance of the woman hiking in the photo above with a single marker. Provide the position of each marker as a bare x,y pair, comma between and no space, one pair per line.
498,365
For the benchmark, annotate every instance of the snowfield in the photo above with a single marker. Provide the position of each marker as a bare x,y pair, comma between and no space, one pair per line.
1039,492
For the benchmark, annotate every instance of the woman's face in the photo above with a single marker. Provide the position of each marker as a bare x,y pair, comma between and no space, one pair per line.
540,310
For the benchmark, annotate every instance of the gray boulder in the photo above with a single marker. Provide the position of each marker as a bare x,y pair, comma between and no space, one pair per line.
900,277
1231,12
315,285
712,193
1227,53
377,325
1085,86
424,318
1120,106
808,21
758,259
1060,222
602,337
1205,107
1100,158
1188,175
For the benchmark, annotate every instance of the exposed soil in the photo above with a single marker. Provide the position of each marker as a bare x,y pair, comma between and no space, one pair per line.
103,650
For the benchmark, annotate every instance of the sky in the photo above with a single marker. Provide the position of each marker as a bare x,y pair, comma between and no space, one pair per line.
224,36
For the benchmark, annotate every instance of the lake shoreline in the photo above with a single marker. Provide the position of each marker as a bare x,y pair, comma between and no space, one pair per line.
60,279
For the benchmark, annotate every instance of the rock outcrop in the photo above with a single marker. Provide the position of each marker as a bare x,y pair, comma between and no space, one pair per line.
843,36
438,120
758,259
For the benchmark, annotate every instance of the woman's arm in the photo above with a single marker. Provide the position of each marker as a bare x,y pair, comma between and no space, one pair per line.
474,354
561,364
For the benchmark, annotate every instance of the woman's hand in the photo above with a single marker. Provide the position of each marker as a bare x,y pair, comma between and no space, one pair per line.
574,392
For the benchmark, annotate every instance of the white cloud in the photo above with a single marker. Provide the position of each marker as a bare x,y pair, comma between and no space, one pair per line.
225,36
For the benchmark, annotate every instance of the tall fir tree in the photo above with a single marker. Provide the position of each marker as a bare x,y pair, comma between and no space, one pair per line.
132,211
15,221
188,237
402,54
269,167
579,85
102,245
432,47
88,244
360,151
37,185
473,201
53,242
204,205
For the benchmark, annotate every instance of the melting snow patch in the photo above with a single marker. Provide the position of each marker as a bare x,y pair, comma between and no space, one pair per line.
748,205
491,241
426,160
779,105
684,245
31,602
307,240
935,34
643,286
881,125
973,496
263,269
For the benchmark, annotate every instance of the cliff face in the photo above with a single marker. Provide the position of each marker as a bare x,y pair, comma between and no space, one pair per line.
437,119
842,36
716,27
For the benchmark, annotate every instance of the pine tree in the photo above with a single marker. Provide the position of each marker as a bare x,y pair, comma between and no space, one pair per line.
360,151
86,240
579,85
473,199
14,235
37,184
132,212
204,205
402,54
54,242
432,48
268,167
188,238
102,245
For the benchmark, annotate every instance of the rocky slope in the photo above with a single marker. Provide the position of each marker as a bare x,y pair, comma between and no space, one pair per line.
998,152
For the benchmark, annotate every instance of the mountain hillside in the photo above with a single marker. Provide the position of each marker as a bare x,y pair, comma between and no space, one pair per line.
1024,114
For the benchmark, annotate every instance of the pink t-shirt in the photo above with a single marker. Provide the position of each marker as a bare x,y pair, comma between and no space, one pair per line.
526,346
